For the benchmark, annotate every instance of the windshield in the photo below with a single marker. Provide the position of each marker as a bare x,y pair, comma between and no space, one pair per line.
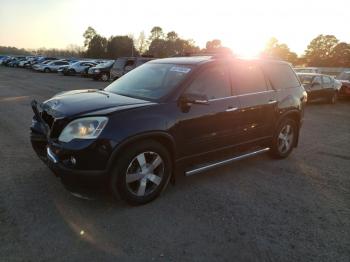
344,76
149,81
306,79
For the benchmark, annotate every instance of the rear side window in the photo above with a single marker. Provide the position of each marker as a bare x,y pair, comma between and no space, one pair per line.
326,79
119,63
247,78
281,75
213,82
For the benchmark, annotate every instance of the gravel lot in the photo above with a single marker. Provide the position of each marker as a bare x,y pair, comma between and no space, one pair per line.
258,209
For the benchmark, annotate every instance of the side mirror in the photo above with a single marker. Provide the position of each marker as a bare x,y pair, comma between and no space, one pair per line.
190,99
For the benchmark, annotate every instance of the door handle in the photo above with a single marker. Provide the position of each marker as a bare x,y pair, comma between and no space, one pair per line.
272,101
231,109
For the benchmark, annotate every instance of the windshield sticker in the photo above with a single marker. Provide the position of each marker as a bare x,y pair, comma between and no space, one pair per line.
180,69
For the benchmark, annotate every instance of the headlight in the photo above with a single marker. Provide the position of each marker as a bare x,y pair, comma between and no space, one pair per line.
83,128
97,70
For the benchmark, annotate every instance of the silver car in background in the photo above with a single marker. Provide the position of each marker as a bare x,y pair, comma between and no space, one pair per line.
52,66
80,67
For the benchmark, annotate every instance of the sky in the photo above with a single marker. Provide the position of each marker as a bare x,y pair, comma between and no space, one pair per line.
244,25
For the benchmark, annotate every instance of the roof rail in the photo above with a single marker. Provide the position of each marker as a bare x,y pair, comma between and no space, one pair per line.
219,54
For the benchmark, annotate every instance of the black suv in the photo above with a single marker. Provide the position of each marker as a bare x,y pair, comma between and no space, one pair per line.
188,113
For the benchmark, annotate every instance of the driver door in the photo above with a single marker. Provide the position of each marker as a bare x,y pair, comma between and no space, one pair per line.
209,127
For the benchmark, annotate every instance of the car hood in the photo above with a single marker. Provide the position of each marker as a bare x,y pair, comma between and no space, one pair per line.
89,101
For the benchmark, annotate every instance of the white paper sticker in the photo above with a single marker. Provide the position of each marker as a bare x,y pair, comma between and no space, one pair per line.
180,69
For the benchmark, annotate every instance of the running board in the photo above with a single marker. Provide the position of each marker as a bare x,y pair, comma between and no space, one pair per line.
224,162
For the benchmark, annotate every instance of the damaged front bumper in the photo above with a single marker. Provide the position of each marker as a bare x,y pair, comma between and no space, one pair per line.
55,157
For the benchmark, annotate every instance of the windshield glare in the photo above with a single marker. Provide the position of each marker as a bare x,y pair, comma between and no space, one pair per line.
149,81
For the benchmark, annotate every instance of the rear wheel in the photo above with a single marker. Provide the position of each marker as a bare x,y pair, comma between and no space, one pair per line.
47,70
284,138
141,172
333,98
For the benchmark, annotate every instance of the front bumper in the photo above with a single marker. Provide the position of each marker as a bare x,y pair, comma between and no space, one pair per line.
79,166
75,180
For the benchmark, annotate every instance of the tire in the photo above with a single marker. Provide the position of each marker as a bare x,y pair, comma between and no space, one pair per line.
47,70
133,178
333,99
284,139
105,77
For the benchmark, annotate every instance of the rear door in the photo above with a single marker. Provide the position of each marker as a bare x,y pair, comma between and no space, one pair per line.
316,88
210,127
327,87
256,98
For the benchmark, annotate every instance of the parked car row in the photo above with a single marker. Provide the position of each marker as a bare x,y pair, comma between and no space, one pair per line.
104,70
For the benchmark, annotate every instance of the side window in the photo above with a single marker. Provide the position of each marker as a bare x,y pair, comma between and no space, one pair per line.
317,80
247,78
213,82
326,80
281,75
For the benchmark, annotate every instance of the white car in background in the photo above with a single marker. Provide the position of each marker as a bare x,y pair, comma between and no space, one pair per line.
80,67
26,62
52,66
37,67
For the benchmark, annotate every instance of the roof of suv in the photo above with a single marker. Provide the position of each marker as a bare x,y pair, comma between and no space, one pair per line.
195,60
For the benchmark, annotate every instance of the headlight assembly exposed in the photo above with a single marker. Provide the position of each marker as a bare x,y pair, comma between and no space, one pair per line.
83,128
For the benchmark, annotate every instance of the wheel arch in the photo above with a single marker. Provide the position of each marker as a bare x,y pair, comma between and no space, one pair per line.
161,137
295,115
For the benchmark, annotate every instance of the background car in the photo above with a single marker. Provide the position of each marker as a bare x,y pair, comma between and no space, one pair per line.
125,64
344,78
3,59
78,67
26,62
319,86
53,66
42,59
39,66
14,62
101,71
307,70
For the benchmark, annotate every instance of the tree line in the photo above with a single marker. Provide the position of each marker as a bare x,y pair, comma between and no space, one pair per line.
324,50
158,44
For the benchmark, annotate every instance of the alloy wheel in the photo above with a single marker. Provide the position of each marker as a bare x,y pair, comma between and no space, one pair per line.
144,173
104,77
285,138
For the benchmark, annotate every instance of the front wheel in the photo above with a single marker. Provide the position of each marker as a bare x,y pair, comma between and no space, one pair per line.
47,70
141,173
284,139
105,77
